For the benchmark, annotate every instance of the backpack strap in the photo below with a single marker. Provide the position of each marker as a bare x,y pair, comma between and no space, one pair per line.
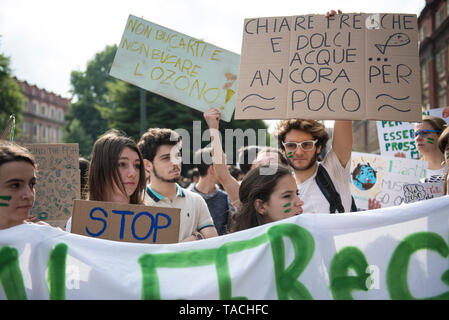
327,187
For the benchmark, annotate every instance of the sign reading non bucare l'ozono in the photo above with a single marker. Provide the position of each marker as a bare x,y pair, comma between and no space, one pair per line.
176,66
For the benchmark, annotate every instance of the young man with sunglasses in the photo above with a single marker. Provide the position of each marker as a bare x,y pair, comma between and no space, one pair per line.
302,142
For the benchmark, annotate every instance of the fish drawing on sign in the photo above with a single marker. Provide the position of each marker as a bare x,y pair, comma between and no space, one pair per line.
389,105
395,40
257,107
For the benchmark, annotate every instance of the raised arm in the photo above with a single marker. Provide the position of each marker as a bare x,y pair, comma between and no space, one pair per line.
342,140
229,183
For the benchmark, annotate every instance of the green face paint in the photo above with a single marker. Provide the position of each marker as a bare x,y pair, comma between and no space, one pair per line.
430,140
7,198
290,155
287,211
288,204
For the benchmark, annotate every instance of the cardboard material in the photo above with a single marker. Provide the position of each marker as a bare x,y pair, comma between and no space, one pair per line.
125,222
176,66
351,66
58,181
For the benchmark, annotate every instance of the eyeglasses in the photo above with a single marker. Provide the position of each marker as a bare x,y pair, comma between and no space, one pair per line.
305,145
425,133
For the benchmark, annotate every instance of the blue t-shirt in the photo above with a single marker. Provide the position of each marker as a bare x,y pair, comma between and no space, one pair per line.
219,207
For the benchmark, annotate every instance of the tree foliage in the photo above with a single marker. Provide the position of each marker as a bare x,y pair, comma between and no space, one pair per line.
11,98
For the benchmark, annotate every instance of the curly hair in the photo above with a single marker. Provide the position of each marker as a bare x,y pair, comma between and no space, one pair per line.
315,128
151,140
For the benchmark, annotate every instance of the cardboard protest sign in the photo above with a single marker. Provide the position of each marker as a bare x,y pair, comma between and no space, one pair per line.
350,66
422,191
176,66
391,253
382,178
58,181
125,222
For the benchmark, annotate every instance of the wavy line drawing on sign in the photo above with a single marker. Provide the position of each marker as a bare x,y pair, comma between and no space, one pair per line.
389,105
257,107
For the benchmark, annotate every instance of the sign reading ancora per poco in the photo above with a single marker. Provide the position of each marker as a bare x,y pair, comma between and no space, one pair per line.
353,66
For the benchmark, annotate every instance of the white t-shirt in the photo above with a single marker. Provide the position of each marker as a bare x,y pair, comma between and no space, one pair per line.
195,214
438,175
310,193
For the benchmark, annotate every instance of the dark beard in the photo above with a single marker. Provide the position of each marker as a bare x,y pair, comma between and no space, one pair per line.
163,179
309,165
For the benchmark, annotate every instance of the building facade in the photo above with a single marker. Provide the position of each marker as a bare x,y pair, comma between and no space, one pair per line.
433,25
43,116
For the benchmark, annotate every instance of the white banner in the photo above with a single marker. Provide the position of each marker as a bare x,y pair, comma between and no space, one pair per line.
393,253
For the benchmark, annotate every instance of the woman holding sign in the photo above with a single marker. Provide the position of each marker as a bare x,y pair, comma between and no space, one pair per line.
116,172
427,133
17,180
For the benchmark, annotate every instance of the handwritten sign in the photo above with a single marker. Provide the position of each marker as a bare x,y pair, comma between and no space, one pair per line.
397,138
350,66
58,181
382,178
176,66
422,191
396,253
125,222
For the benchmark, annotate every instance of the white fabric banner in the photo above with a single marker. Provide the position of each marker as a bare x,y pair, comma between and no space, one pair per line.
392,253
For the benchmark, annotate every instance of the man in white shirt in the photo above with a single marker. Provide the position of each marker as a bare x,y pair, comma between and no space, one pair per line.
161,152
302,141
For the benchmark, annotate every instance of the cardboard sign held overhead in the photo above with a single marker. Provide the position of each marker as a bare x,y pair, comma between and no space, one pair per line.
176,66
58,181
350,66
125,222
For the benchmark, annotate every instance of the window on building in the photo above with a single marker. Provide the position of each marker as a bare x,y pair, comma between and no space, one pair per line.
424,75
34,110
25,104
423,32
52,113
25,129
61,133
44,109
439,17
60,115
33,91
42,94
44,134
442,97
440,58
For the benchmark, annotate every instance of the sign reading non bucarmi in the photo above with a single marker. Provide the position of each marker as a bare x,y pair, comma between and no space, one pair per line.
352,66
176,66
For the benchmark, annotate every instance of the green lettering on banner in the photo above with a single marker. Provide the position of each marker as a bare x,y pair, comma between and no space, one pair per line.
10,274
56,272
397,273
287,283
341,284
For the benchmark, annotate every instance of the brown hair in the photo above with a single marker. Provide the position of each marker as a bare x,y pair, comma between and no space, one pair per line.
103,170
151,140
315,128
9,151
436,123
255,186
